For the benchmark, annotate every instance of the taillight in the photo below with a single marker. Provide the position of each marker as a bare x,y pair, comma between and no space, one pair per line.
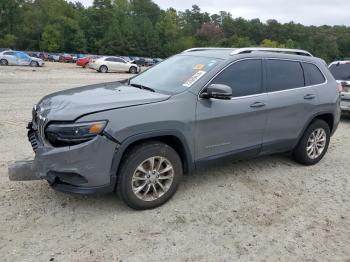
340,87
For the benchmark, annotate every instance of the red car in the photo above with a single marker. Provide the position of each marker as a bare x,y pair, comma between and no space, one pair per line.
83,61
66,58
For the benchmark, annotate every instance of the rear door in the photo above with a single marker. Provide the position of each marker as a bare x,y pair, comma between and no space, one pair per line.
291,103
236,126
11,57
116,64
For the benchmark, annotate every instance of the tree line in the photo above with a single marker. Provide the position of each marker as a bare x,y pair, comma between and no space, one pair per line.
141,28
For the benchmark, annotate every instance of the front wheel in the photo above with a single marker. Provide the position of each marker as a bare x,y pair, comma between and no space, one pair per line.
149,176
314,143
133,70
34,64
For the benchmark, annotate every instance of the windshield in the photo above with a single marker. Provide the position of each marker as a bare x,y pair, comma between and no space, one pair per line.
175,74
340,71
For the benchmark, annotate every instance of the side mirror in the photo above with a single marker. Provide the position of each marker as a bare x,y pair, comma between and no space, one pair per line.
217,91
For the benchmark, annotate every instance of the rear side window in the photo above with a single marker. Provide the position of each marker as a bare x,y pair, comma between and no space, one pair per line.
9,53
285,75
340,71
244,77
313,75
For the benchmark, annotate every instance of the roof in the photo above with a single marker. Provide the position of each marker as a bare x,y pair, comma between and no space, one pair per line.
226,53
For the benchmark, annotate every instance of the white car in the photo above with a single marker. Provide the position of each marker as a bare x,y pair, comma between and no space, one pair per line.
341,73
11,57
113,64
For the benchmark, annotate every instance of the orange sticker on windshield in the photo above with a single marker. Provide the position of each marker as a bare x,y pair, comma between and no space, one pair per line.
199,67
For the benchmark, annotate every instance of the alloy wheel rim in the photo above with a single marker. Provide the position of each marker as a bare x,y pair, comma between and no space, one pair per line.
316,143
152,178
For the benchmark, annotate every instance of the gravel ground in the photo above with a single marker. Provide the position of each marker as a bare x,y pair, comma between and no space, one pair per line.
266,209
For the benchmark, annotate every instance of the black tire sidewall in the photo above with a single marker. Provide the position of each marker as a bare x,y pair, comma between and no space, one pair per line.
34,64
300,153
131,70
130,163
106,69
5,62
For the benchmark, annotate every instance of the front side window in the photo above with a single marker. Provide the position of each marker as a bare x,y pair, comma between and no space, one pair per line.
340,71
176,74
244,77
284,75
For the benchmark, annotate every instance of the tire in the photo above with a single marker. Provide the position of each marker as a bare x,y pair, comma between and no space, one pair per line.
308,142
133,70
34,64
4,62
131,178
103,69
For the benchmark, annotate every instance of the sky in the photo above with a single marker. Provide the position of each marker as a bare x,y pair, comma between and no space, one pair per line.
307,12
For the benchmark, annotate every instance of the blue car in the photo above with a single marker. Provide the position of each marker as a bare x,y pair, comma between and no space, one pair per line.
11,57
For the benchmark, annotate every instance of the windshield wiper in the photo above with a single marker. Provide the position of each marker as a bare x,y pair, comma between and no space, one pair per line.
143,87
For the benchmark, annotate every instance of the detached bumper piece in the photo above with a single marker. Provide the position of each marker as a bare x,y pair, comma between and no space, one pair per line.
60,182
22,171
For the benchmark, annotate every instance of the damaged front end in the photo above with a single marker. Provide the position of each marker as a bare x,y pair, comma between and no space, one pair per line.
72,157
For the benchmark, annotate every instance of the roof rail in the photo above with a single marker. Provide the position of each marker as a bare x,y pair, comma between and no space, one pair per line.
208,49
266,49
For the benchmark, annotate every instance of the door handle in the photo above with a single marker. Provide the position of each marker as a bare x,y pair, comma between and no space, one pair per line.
310,96
257,105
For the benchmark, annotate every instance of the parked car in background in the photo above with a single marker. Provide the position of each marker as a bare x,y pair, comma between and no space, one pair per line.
53,57
83,61
144,61
66,58
19,58
341,72
157,60
139,136
4,49
113,64
33,54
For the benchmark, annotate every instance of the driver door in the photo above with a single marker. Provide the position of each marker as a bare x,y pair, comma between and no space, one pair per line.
236,126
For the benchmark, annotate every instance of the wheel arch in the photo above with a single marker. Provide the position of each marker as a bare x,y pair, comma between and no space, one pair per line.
325,116
174,139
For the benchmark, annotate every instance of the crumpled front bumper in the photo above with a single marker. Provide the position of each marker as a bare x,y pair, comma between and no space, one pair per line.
83,168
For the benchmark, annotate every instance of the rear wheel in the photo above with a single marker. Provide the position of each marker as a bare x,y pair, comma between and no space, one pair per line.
314,143
149,176
4,62
103,69
133,70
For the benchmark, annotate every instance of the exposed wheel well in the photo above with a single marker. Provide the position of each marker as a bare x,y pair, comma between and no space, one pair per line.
171,141
328,118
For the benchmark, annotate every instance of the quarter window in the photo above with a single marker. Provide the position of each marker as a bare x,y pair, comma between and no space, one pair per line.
285,75
313,75
244,77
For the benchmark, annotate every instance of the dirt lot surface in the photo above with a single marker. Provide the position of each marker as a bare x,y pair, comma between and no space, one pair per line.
267,209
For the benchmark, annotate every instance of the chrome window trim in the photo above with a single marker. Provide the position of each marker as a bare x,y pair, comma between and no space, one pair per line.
265,93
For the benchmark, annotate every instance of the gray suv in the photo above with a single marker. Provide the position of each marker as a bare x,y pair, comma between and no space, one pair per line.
139,136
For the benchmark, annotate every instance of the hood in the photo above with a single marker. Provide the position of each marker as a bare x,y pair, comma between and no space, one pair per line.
37,59
70,104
